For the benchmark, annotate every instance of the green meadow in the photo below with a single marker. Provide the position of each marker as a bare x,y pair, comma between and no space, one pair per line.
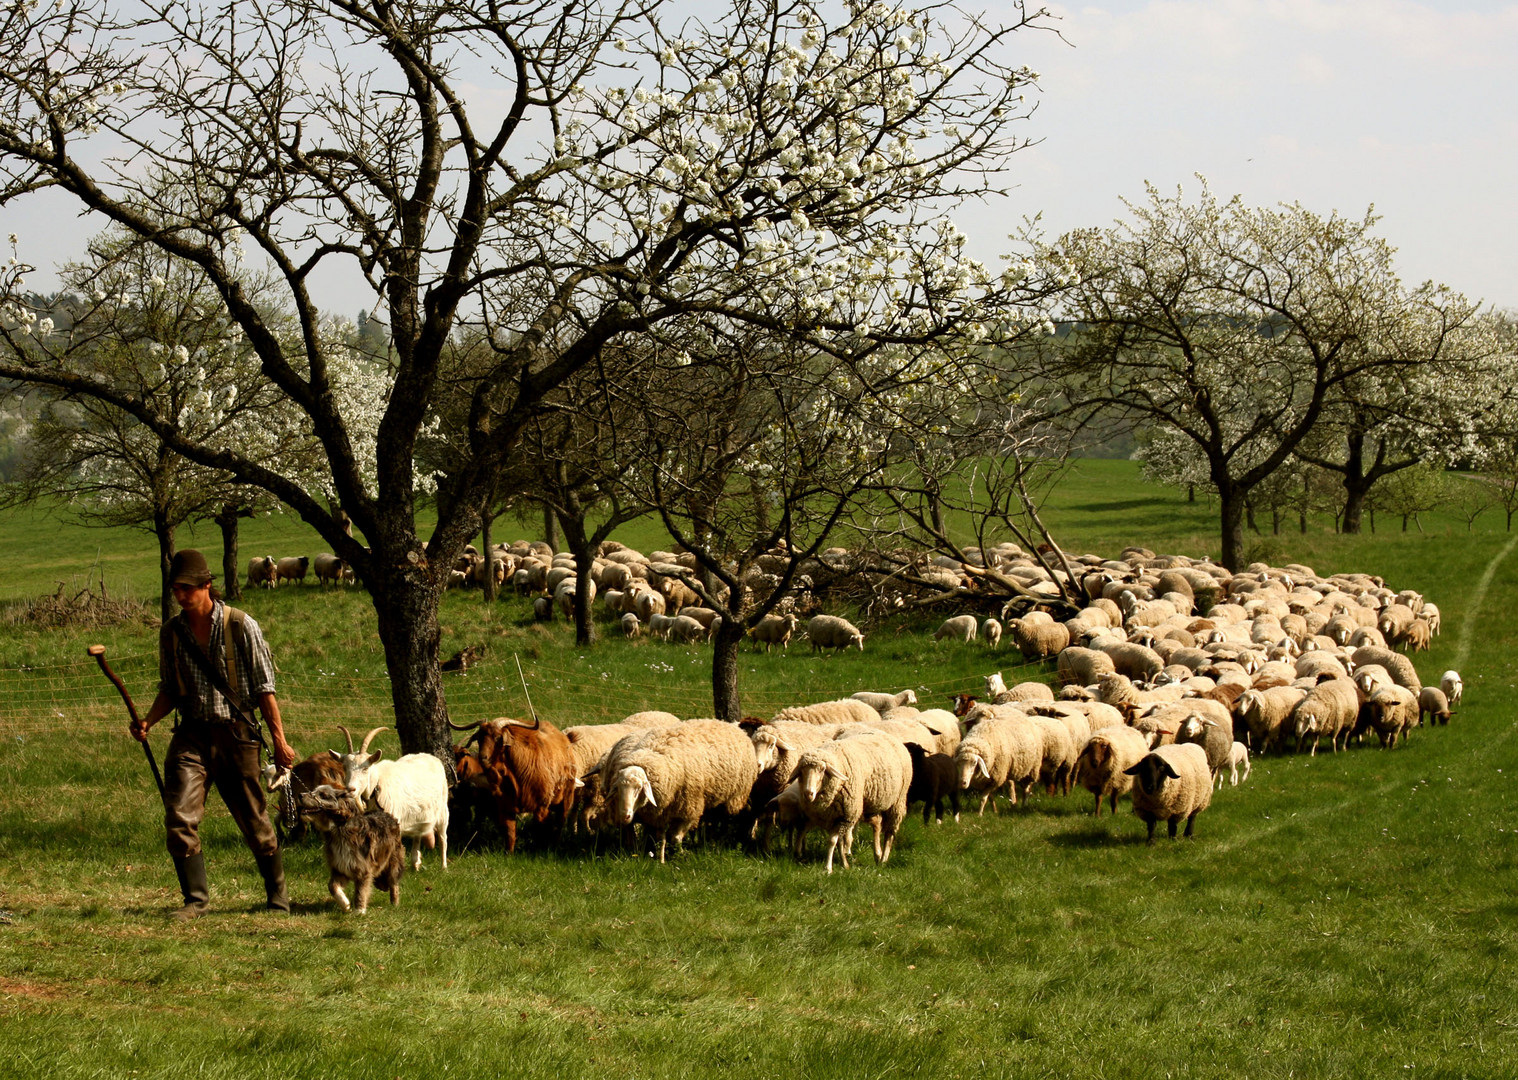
1339,915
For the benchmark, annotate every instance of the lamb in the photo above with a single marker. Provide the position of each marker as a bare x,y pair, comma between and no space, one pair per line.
1330,708
668,778
865,777
1172,782
1238,756
786,812
846,711
631,627
1265,712
1038,640
774,630
884,703
1453,688
933,778
1057,767
1102,766
990,630
413,789
832,632
362,847
959,628
660,626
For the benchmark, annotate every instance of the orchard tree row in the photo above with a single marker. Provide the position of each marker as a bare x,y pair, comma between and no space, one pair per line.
700,268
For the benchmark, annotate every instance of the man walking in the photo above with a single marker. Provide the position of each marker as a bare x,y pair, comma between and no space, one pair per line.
212,663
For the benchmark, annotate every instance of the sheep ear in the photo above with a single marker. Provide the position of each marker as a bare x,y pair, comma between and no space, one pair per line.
648,793
1169,770
980,767
1134,770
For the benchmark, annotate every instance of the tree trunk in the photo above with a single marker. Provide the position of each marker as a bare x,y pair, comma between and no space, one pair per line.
231,580
1355,489
551,528
1275,521
726,704
406,600
1233,530
1302,521
1191,493
1372,512
1249,515
164,531
487,520
585,627
1404,522
1510,521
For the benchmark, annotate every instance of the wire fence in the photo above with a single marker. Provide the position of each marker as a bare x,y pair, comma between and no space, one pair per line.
75,695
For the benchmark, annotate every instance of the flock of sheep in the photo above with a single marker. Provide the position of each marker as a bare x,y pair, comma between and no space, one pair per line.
1167,681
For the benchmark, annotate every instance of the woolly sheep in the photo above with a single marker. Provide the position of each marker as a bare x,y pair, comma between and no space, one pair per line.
1130,659
685,629
1394,711
1238,756
778,747
261,572
1400,667
631,627
785,812
1453,687
1265,712
856,779
292,568
1038,641
832,632
990,630
660,626
943,724
330,570
1056,772
1329,709
1004,749
1214,737
774,630
846,711
1083,667
1102,766
959,628
1171,783
669,778
883,703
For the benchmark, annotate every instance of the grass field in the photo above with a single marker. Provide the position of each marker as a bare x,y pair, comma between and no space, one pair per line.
1344,915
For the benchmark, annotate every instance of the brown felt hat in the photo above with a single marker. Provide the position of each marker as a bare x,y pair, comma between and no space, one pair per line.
188,567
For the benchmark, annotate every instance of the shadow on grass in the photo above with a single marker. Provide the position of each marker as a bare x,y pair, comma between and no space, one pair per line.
1093,837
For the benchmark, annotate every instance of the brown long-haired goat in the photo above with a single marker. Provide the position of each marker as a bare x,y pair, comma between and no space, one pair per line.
363,847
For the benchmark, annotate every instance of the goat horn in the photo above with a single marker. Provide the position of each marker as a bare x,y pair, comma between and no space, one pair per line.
506,721
347,735
364,749
465,727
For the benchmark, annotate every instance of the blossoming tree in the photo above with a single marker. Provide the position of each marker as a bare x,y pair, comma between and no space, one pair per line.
775,165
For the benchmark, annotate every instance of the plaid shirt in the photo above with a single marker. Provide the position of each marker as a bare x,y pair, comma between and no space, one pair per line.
202,701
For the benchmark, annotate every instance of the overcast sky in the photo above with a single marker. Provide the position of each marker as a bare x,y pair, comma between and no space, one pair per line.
1338,105
1412,107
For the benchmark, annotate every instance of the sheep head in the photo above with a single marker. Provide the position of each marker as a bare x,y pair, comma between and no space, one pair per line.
630,792
1152,772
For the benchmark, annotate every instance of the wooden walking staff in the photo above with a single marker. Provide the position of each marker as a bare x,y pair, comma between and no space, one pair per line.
98,652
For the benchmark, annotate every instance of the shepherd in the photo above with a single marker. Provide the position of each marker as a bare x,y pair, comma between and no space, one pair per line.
212,663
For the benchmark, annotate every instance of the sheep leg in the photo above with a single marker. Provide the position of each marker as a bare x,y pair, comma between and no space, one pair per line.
1150,821
879,826
833,840
1190,823
983,800
954,803
335,887
1171,823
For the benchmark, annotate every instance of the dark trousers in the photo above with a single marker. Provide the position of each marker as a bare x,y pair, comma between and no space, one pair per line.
223,754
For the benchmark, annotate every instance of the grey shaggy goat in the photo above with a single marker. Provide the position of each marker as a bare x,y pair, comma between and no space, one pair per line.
363,847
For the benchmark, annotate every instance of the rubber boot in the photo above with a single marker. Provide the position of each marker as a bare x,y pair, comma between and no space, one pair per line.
272,869
192,883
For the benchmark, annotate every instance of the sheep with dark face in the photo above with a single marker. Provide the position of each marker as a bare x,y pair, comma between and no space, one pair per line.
362,848
1170,783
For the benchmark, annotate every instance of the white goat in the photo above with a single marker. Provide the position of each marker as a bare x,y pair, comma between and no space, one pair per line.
413,789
